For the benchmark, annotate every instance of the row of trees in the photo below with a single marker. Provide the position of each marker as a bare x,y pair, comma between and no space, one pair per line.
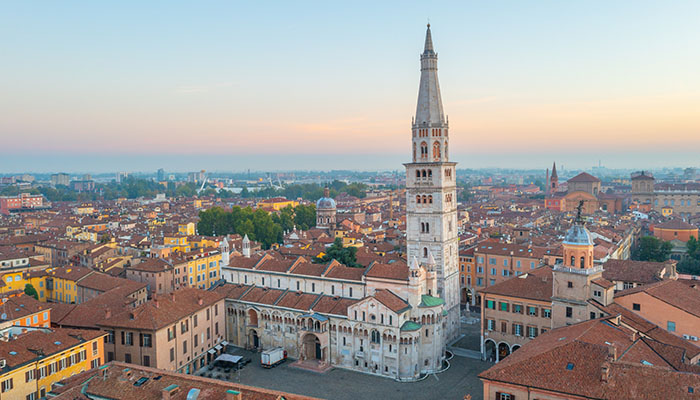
310,191
130,188
259,225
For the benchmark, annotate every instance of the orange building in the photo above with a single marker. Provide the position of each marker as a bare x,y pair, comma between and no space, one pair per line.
675,229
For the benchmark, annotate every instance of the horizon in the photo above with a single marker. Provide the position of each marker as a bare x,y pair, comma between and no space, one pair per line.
229,87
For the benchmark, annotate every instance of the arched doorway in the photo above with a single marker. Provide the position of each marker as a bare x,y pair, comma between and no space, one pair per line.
253,339
503,351
490,350
312,347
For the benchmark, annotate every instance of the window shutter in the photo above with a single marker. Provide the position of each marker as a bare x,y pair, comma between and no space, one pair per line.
513,328
507,306
537,312
498,395
141,339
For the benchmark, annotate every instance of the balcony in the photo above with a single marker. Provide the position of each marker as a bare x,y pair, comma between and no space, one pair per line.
579,271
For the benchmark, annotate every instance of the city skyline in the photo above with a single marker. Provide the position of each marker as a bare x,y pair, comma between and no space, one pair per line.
231,87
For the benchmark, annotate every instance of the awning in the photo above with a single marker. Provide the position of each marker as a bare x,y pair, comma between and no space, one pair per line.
217,347
224,343
212,351
229,358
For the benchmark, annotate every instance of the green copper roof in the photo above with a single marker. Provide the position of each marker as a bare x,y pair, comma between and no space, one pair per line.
430,301
410,326
444,313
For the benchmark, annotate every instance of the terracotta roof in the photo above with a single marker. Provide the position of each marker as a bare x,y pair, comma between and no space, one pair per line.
391,300
28,346
584,177
116,380
152,265
678,294
570,360
396,270
643,272
163,311
676,224
534,285
14,307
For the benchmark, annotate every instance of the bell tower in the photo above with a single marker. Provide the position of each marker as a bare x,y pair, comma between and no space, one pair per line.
431,223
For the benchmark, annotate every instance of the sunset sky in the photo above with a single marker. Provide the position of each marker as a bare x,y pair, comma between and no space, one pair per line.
132,85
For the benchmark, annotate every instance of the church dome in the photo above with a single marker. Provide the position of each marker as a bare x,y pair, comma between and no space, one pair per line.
325,202
578,235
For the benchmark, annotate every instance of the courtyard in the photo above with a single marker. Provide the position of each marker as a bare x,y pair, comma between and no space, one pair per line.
340,384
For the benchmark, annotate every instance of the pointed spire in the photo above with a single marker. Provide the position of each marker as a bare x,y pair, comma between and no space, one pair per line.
431,260
428,42
414,263
554,170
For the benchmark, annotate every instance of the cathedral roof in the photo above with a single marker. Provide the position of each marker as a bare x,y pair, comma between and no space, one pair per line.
430,301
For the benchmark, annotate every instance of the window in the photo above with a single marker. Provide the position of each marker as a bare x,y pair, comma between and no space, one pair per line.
94,349
671,326
146,340
172,354
208,312
490,324
128,338
532,311
6,385
127,358
592,315
569,284
504,396
184,346
505,262
569,312
503,306
492,261
29,375
532,332
493,271
597,293
195,322
517,308
491,304
636,307
517,329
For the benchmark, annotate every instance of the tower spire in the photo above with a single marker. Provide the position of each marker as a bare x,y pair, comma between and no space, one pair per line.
428,42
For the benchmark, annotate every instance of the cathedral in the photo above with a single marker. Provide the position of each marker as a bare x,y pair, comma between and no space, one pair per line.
392,320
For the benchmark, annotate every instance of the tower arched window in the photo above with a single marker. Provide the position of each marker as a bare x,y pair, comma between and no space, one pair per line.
427,227
430,173
425,252
376,338
422,226
424,150
430,199
573,261
583,262
436,149
425,200
423,173
417,173
418,199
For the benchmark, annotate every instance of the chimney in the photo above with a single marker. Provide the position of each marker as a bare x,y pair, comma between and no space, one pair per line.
108,313
172,296
233,395
612,353
604,372
200,301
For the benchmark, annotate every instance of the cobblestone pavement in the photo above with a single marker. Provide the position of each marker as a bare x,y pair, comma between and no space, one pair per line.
340,384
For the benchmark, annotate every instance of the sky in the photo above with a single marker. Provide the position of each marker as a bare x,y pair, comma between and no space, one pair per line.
227,86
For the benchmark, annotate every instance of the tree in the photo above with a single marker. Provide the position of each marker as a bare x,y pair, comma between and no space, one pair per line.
650,248
30,291
344,255
691,263
305,216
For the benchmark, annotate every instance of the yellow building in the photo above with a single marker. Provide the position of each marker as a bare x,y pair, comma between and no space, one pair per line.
39,358
203,267
186,228
667,211
62,284
12,281
84,209
178,243
277,203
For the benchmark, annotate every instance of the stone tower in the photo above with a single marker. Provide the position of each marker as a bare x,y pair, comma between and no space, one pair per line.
431,191
572,278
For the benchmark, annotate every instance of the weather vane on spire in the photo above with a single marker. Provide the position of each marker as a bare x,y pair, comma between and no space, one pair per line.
578,213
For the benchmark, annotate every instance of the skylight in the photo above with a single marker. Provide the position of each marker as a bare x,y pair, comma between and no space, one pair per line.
645,362
570,366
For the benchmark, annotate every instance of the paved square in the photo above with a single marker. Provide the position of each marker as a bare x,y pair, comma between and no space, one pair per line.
339,384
